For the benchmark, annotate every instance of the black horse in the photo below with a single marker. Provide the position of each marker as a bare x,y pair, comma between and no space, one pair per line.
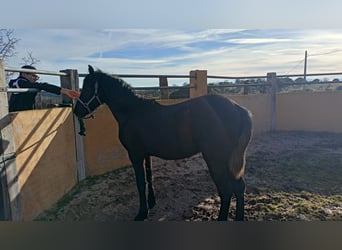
218,128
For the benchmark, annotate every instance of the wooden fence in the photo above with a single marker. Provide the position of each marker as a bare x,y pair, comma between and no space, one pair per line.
43,157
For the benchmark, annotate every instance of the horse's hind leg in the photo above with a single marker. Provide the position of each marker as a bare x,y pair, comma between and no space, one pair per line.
151,197
239,188
220,175
225,204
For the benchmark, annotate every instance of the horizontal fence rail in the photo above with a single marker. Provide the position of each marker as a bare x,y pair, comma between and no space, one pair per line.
232,85
245,84
248,78
313,74
161,87
143,76
18,90
236,77
21,70
44,72
151,76
224,85
264,76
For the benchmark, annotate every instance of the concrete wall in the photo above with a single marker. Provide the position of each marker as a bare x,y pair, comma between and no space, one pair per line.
313,111
44,140
45,157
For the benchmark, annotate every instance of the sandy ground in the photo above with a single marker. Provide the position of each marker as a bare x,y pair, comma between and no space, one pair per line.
290,176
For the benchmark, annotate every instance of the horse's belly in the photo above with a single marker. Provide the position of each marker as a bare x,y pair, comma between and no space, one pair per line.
175,155
174,151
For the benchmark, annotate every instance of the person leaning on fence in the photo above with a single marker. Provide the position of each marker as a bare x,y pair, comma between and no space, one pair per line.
26,100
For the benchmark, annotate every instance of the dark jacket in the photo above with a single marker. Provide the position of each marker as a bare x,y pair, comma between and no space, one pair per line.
26,100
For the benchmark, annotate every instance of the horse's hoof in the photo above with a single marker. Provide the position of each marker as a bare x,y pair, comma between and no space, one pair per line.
239,219
138,218
141,217
151,203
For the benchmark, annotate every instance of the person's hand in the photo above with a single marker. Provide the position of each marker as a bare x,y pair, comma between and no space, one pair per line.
71,93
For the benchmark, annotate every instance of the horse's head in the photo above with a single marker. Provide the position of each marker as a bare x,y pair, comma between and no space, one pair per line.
90,98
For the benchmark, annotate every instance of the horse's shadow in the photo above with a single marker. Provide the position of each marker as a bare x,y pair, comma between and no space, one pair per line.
3,146
181,186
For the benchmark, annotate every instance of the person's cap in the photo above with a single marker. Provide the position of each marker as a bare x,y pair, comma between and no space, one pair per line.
28,67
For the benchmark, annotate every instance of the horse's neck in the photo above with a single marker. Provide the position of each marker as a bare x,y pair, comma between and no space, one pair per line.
121,111
121,107
123,102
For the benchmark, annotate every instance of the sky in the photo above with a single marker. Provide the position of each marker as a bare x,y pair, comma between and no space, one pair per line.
224,37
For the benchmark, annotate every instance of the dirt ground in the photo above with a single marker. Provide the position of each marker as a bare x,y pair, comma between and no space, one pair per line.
290,176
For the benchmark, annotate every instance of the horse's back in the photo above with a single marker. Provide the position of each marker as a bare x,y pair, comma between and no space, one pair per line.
216,111
218,123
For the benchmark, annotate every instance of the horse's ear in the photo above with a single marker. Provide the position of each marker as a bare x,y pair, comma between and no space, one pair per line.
90,69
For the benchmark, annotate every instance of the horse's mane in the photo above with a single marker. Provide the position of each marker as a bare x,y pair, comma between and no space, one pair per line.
121,87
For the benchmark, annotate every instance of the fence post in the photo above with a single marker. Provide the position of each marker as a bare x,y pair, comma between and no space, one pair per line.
272,80
10,203
198,83
70,81
246,87
164,93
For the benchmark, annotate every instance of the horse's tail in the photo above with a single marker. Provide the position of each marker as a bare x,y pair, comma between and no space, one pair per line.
238,157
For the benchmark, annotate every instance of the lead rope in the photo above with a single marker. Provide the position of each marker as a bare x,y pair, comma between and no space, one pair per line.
82,127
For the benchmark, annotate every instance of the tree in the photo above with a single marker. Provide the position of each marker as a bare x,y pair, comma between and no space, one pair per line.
30,59
7,49
7,44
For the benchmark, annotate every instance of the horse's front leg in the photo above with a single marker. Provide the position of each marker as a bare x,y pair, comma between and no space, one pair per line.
141,185
151,197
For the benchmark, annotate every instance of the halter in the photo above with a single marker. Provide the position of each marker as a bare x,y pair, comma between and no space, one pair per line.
86,104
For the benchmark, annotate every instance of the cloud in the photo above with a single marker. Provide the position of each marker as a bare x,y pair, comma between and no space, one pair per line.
233,52
258,40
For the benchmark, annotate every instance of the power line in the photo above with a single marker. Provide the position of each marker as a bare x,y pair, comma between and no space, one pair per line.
312,55
327,53
296,66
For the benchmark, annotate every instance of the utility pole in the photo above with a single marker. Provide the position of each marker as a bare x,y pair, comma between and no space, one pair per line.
305,64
